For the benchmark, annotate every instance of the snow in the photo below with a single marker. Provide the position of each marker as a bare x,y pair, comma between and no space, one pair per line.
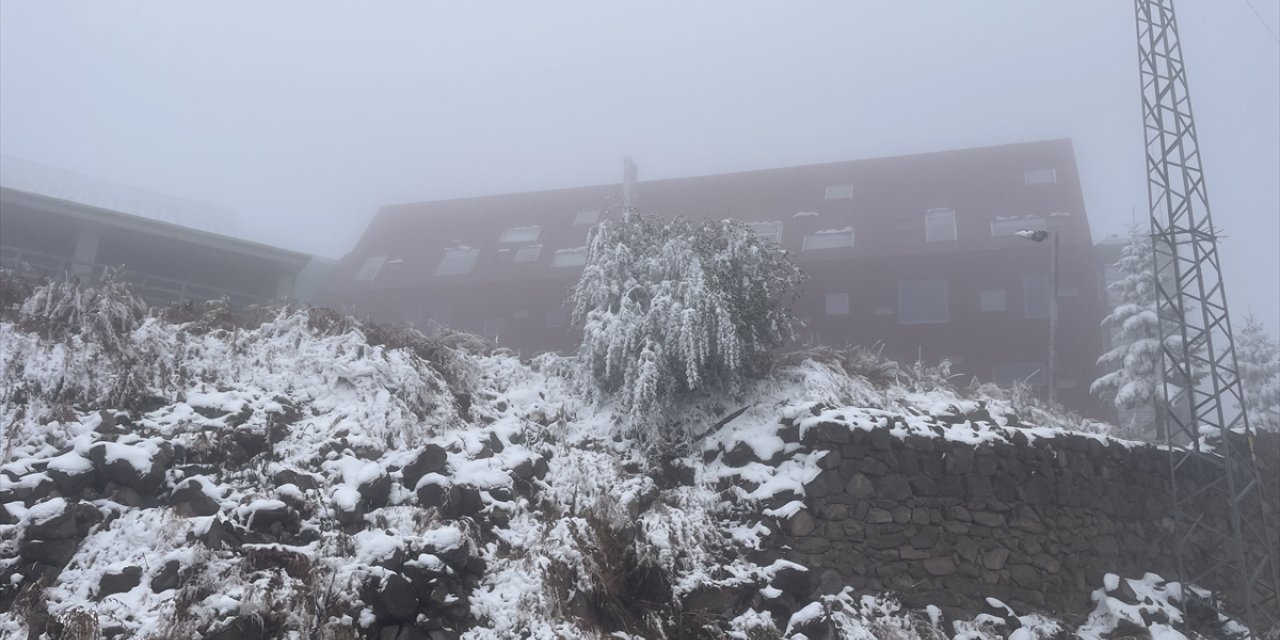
45,511
138,457
70,463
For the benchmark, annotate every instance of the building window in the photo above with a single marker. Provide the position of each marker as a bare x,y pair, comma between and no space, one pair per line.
839,192
557,318
529,253
1009,226
586,218
939,225
923,302
830,239
520,234
1008,374
575,257
770,232
1035,295
837,304
369,270
992,300
1040,176
457,261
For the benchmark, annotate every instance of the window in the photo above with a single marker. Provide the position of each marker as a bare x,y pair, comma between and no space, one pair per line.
1035,295
557,318
575,257
1007,374
939,225
586,218
457,261
529,253
520,234
830,239
1009,226
837,304
923,302
839,192
992,300
369,270
770,232
1040,176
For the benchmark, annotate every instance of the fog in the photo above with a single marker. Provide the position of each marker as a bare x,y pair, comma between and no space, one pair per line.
306,117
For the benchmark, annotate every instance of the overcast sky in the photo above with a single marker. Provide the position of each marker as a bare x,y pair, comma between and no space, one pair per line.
305,117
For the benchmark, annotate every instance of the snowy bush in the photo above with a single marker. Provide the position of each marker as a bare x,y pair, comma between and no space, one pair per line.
1258,362
670,307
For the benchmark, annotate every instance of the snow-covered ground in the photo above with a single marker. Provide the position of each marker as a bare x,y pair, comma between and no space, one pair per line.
298,479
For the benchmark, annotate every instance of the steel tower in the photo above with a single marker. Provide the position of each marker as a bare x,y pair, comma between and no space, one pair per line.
1202,391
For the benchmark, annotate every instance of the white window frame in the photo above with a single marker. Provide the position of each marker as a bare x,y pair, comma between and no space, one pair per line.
586,217
370,269
837,304
838,192
520,234
829,239
906,318
1033,177
1006,227
565,258
933,219
770,231
527,253
468,257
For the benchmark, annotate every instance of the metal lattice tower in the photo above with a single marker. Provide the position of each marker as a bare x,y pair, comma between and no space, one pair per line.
1229,553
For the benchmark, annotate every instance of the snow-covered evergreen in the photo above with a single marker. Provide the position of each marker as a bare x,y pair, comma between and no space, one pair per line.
670,307
1258,359
1132,381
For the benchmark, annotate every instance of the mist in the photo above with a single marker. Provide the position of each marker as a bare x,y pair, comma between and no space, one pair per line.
305,118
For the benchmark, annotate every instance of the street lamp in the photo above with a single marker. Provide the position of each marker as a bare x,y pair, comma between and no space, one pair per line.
1039,235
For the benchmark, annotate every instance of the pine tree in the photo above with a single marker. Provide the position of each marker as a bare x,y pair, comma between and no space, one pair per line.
1133,379
1258,362
669,308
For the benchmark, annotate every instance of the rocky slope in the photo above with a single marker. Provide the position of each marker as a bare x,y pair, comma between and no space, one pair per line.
202,473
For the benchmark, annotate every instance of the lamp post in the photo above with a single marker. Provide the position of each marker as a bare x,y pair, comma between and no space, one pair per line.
1040,235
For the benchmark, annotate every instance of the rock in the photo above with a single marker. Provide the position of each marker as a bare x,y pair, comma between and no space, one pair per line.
432,459
263,519
130,465
876,515
960,459
56,553
119,581
302,480
393,598
245,627
995,559
988,519
464,501
712,600
53,519
189,500
859,487
1026,577
799,524
433,494
893,486
793,579
375,492
70,473
167,577
740,455
943,566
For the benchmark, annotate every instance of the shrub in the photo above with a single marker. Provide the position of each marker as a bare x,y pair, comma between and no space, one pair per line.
673,307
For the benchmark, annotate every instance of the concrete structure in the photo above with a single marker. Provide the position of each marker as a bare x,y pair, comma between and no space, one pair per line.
168,262
914,252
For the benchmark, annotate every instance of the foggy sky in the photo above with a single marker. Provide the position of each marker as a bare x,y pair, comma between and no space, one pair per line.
306,117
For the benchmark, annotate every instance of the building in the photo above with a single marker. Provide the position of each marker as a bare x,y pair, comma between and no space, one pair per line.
59,224
917,253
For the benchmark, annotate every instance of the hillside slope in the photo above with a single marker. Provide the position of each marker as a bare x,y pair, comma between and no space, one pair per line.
202,473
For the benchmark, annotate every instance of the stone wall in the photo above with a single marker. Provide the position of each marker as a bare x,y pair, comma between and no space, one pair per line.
1036,522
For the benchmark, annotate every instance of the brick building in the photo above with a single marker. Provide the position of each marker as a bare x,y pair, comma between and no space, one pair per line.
915,252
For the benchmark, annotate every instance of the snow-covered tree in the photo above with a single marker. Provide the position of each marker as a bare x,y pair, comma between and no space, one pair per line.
1133,379
1258,362
673,307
